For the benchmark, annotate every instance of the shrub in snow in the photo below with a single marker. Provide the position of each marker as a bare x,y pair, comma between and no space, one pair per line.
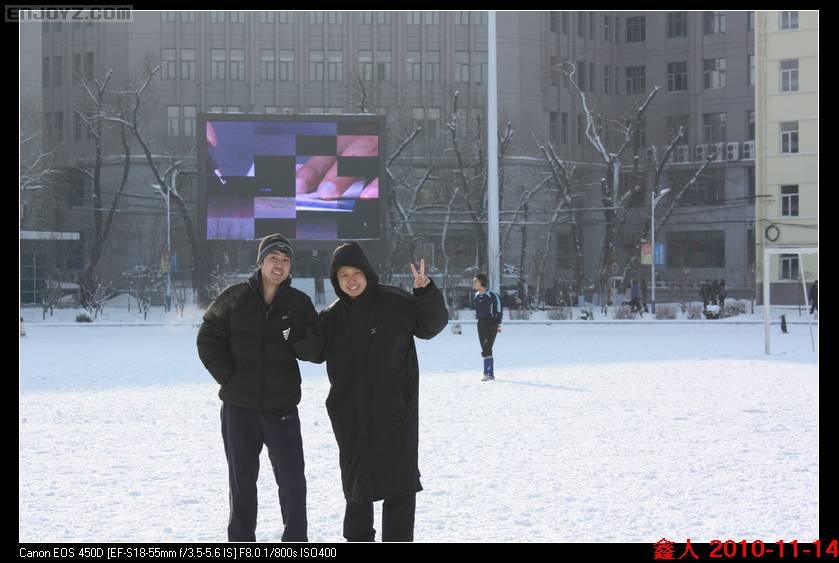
83,318
694,311
624,312
665,311
520,314
732,310
559,313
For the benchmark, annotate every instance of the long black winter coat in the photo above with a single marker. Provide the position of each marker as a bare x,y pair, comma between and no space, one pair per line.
374,375
241,344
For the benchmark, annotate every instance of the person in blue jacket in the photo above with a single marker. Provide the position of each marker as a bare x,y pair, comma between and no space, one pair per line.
489,312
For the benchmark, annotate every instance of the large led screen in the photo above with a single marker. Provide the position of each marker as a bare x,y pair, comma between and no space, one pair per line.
312,178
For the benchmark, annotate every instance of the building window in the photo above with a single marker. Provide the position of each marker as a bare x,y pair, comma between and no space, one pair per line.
234,109
750,124
315,17
714,127
272,110
709,189
88,65
617,80
77,127
592,24
317,110
552,127
189,121
789,201
58,126
635,29
479,67
383,18
364,18
563,128
216,109
77,67
581,75
639,135
789,75
432,17
216,17
789,20
285,17
315,65
750,26
336,18
168,64
237,17
789,267
713,22
564,22
789,137
581,24
673,123
677,76
432,66
607,27
713,74
267,17
365,65
173,118
237,63
554,21
607,78
461,18
45,72
461,66
635,80
267,64
433,121
58,71
592,78
187,16
413,18
218,64
33,273
187,64
336,65
383,64
696,249
168,16
581,129
751,61
413,66
677,24
286,67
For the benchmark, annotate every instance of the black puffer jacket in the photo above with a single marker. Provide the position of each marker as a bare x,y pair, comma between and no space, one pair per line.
374,375
241,344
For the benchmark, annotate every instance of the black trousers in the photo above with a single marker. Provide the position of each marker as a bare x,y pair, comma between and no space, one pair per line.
244,432
397,520
487,331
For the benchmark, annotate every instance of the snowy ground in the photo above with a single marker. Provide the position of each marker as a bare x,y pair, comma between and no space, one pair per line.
592,433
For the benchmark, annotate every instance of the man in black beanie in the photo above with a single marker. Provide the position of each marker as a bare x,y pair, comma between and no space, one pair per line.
374,383
251,338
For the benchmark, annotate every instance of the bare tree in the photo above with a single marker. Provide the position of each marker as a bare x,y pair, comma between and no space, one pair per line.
612,196
165,177
145,282
103,214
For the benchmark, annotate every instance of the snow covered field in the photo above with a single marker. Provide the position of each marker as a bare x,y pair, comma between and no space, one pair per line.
591,433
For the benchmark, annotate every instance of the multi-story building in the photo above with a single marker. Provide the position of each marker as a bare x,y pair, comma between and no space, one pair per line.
411,63
787,166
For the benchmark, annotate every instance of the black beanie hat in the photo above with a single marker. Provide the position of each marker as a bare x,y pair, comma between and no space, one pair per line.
271,243
350,254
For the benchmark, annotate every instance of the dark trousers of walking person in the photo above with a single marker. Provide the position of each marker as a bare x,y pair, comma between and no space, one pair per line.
244,432
397,520
487,331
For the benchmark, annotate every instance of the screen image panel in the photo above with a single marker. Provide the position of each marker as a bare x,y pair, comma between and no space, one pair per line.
309,178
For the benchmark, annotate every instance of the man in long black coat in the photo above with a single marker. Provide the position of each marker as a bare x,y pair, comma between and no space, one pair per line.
373,399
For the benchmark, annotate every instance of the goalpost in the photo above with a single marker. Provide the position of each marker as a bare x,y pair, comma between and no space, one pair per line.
799,250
